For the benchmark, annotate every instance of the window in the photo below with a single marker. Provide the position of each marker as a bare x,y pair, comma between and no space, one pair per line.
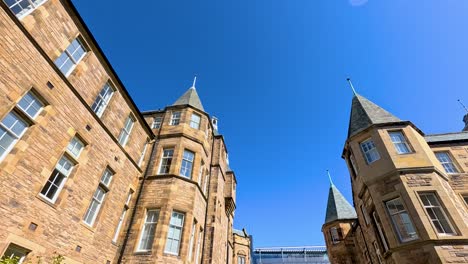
195,121
199,243
353,164
157,122
12,126
30,105
446,161
102,100
126,130
166,161
205,185
200,173
191,241
75,147
380,230
241,260
436,214
465,198
401,220
119,225
175,233
365,214
377,252
149,229
187,164
175,118
23,7
143,153
56,181
98,198
336,235
399,141
72,55
370,151
15,252
122,217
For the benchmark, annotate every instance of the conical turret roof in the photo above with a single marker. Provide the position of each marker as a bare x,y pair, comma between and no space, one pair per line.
190,97
338,208
365,113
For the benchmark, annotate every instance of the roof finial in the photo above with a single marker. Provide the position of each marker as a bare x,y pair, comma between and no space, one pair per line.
194,82
329,177
351,85
464,107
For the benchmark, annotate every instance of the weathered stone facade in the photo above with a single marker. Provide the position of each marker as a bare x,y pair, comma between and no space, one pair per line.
410,191
116,138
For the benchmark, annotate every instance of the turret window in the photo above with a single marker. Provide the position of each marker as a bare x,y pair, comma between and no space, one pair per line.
370,151
401,220
149,229
175,118
436,214
166,161
336,235
399,141
195,121
187,164
174,233
446,161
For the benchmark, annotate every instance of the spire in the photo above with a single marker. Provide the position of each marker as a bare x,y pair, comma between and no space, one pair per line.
190,97
337,207
351,85
365,113
465,118
329,177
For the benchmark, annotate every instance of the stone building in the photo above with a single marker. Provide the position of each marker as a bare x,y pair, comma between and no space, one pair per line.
85,174
410,191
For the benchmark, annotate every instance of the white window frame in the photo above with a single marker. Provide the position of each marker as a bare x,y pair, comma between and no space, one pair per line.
119,225
33,5
400,142
74,144
143,153
200,173
380,231
102,101
175,118
193,123
186,167
433,208
33,101
157,122
448,164
205,184
71,58
103,188
148,224
199,243
365,214
371,154
377,252
192,240
65,173
398,218
166,161
126,130
240,259
176,239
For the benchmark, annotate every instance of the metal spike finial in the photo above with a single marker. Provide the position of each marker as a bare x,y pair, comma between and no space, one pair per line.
464,107
351,85
329,177
194,81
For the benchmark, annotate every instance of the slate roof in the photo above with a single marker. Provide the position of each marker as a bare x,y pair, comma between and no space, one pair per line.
190,97
436,138
365,113
337,207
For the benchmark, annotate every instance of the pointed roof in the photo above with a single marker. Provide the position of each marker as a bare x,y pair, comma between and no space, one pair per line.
365,113
190,97
338,207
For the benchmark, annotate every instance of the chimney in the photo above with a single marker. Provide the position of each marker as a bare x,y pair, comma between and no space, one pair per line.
465,119
214,122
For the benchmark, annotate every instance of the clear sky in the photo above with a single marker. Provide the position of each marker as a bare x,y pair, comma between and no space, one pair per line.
273,72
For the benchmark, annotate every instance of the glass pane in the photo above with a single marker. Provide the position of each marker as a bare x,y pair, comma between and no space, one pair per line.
6,140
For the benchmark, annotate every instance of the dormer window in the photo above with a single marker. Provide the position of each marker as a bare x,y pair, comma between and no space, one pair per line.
370,151
447,162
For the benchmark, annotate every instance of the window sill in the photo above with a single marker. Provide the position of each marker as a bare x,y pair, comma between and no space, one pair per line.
143,253
46,201
90,228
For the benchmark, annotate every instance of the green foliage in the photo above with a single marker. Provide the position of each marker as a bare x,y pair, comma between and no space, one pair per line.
57,259
9,260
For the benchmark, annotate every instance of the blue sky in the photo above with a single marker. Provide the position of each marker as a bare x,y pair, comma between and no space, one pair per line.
273,72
